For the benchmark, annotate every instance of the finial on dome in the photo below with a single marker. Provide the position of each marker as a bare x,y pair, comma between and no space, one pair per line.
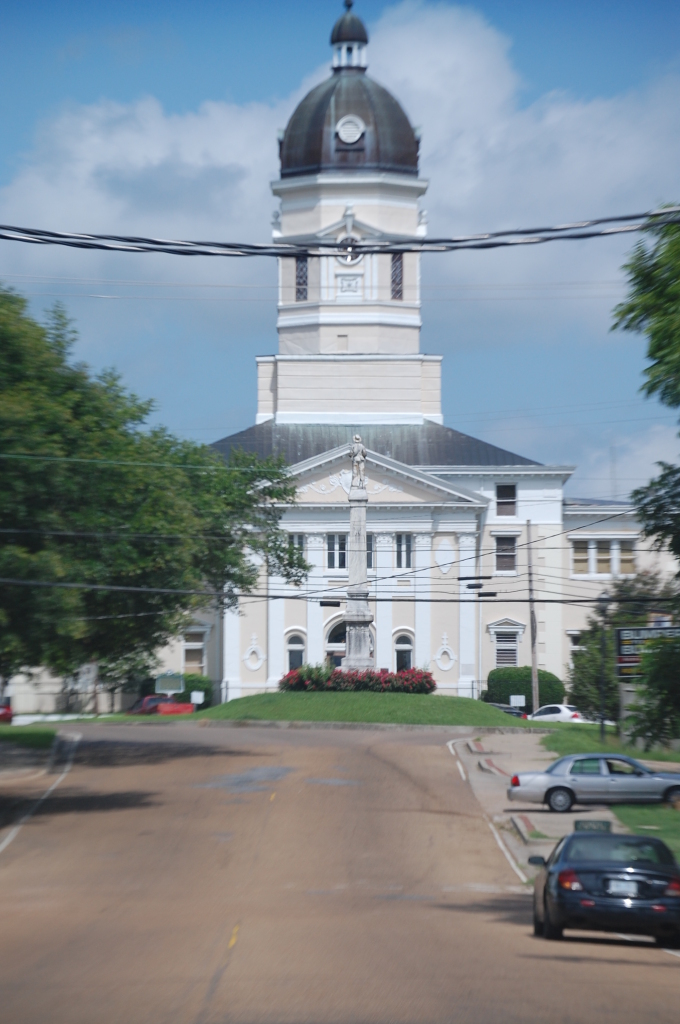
348,39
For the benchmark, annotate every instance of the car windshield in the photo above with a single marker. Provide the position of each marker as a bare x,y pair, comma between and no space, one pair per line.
557,767
620,849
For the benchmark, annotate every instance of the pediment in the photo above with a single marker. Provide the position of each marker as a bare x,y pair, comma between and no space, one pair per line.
327,478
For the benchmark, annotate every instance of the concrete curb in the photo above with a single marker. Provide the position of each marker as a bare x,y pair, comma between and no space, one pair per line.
523,832
254,723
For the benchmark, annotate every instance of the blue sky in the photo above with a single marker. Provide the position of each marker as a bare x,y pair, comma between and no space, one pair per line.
161,118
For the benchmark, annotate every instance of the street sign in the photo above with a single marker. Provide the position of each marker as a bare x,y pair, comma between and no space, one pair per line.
517,700
197,696
169,682
630,643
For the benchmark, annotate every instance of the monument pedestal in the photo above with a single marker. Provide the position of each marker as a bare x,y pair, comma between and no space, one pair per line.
358,616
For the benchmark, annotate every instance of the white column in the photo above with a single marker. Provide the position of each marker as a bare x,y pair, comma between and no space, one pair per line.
615,555
231,660
422,543
466,631
315,556
384,546
275,631
592,557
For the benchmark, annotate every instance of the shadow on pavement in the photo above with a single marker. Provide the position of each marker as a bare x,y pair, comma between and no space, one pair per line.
84,803
510,909
125,753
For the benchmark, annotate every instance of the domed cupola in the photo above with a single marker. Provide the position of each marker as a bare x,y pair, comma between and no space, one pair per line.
349,122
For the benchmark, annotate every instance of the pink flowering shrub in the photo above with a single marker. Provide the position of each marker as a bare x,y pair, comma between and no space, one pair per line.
324,678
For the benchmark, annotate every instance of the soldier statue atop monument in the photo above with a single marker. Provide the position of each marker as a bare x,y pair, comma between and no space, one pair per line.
358,454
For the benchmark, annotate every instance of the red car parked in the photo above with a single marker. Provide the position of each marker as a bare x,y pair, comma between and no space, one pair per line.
149,705
5,714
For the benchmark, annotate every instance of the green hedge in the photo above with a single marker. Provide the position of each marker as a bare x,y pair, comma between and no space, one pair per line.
196,682
503,682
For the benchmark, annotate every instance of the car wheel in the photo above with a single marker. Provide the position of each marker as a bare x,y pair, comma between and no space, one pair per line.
673,795
550,931
560,800
538,925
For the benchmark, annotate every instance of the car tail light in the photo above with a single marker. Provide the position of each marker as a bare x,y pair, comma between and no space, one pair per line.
673,888
576,715
525,716
514,781
568,879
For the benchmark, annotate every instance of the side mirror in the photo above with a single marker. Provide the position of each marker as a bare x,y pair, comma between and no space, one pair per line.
538,861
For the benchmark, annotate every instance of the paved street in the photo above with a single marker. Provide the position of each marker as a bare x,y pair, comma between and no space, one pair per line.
180,875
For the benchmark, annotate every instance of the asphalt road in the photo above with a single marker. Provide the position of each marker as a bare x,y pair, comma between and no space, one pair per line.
180,875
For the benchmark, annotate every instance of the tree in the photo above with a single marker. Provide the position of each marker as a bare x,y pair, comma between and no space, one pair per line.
655,716
653,308
92,498
630,606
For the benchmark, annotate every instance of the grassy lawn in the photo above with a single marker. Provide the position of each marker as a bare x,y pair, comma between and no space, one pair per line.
399,708
657,820
585,739
36,736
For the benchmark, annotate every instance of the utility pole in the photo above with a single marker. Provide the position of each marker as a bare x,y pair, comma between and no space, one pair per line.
532,616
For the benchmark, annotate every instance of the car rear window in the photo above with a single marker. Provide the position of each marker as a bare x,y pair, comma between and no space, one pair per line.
619,849
558,767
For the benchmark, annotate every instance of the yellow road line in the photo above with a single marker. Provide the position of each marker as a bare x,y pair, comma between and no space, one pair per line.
272,797
234,936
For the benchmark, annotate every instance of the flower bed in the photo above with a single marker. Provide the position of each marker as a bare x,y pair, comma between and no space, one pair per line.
320,677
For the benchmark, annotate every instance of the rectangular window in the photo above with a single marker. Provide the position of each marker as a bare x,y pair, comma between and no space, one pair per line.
301,279
404,546
506,649
337,550
397,278
194,654
580,554
297,540
627,557
506,555
604,558
506,500
369,550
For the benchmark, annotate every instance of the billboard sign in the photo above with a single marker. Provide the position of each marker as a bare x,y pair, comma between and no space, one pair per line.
630,643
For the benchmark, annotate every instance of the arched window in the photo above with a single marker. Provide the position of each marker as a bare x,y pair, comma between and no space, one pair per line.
404,650
296,651
336,644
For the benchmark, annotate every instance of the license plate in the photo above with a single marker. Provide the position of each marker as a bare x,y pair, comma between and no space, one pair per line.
616,888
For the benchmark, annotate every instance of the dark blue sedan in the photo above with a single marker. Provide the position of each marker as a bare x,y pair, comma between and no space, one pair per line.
609,883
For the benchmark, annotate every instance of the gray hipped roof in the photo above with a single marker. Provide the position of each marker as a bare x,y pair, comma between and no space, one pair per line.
428,444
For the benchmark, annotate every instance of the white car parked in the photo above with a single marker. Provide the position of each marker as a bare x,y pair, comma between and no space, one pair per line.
558,713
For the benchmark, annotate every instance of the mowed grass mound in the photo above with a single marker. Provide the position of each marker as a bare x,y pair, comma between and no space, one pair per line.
565,738
38,737
395,708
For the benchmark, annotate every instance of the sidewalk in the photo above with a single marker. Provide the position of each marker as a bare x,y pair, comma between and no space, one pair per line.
490,761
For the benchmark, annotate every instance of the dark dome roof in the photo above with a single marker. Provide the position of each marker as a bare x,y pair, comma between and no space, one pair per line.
349,29
310,143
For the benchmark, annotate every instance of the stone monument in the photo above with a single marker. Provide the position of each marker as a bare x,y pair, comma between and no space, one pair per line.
358,616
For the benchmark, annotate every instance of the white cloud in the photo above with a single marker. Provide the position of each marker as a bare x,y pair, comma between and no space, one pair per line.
615,470
133,168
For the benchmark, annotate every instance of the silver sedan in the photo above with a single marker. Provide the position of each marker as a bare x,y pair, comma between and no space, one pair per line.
594,779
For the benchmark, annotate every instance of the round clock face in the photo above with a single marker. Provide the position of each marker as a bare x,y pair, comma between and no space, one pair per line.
349,257
350,129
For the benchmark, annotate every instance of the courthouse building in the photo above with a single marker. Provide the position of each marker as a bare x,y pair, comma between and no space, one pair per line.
442,506
446,512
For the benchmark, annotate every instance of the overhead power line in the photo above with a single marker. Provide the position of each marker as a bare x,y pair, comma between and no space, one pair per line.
598,227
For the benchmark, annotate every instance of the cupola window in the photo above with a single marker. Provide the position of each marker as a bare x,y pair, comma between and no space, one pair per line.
301,279
397,277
